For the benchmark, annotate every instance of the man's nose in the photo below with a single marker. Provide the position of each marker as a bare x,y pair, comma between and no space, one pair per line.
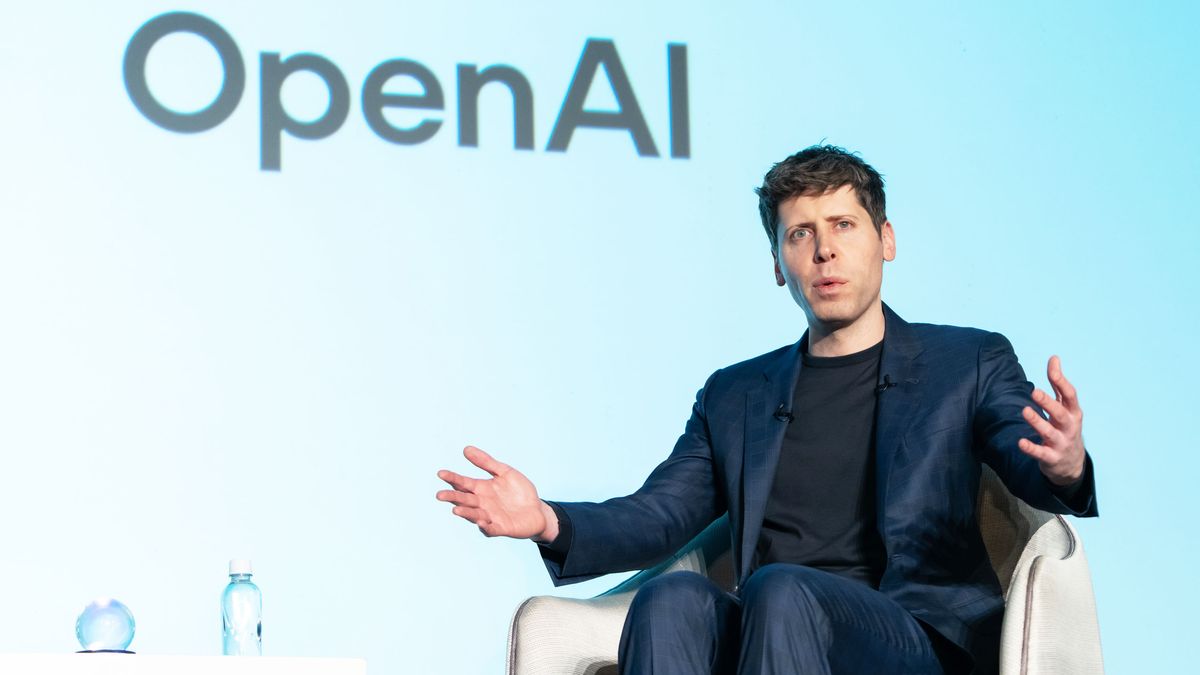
823,251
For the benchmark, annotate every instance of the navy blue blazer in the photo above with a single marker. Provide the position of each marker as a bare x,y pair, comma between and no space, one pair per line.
956,401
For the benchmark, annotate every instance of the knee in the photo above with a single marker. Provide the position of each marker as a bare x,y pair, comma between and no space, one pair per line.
778,587
675,594
679,622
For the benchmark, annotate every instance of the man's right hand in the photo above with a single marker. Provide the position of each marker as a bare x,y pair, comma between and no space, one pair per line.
505,505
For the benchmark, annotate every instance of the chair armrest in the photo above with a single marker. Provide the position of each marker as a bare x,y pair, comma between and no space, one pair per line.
553,636
1050,624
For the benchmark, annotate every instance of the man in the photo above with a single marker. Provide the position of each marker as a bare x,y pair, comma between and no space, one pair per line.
848,464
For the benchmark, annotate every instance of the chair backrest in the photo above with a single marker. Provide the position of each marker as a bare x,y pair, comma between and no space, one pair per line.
1006,523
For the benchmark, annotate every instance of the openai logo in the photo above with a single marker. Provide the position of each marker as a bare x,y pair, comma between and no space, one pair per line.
275,121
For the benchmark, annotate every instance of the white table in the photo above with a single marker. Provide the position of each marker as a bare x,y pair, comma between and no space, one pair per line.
144,664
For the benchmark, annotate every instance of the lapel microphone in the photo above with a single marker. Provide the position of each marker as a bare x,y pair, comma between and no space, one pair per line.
885,385
783,415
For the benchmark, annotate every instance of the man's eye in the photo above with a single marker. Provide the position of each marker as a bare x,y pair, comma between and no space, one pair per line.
799,234
845,224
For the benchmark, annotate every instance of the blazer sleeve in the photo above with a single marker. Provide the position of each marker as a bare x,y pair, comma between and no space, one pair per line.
1002,393
677,501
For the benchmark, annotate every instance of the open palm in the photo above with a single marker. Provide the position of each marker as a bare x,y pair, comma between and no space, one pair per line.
505,505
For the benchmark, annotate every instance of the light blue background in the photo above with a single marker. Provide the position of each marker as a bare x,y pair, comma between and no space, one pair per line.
200,361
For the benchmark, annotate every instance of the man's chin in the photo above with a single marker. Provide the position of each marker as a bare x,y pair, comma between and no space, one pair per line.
833,314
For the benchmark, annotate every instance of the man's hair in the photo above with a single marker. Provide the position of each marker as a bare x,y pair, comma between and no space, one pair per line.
814,171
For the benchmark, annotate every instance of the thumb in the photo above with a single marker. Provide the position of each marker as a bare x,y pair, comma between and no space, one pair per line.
484,461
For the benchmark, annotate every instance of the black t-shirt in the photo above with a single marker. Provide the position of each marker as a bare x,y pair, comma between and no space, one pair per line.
821,510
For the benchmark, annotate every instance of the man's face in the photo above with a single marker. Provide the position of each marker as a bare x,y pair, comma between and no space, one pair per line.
830,256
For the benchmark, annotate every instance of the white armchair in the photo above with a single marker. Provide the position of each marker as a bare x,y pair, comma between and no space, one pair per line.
1050,625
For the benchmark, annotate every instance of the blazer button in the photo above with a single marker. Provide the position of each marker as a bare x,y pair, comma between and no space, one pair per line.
736,588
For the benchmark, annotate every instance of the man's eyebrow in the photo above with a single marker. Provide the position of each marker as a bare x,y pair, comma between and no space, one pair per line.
828,219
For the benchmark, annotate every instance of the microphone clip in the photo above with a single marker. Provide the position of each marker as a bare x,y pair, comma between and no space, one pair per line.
885,385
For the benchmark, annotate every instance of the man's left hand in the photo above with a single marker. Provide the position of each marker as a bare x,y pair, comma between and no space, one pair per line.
1061,454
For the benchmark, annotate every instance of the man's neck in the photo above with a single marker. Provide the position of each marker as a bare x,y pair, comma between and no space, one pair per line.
864,332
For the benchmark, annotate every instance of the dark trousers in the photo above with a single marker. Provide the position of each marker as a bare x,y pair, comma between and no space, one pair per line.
788,620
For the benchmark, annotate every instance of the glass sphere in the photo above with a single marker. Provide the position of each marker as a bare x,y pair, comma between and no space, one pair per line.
105,624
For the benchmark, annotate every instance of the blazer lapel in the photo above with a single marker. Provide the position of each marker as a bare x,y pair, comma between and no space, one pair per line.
763,439
899,390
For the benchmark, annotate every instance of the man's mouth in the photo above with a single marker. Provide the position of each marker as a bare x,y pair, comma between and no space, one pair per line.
829,282
828,287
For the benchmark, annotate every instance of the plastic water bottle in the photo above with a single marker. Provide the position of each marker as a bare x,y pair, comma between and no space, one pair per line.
241,612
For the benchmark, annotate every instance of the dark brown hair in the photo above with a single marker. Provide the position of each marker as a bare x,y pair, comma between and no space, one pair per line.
816,170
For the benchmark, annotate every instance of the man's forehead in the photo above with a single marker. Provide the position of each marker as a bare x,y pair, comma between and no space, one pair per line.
843,198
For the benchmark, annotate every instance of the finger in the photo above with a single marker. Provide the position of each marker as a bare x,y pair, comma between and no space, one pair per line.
1045,429
1060,417
1062,386
457,481
474,515
1039,452
458,498
484,461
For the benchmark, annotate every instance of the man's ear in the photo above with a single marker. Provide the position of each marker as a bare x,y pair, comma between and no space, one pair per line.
889,240
779,280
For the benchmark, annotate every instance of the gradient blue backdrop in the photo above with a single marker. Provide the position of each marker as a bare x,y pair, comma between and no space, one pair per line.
200,360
